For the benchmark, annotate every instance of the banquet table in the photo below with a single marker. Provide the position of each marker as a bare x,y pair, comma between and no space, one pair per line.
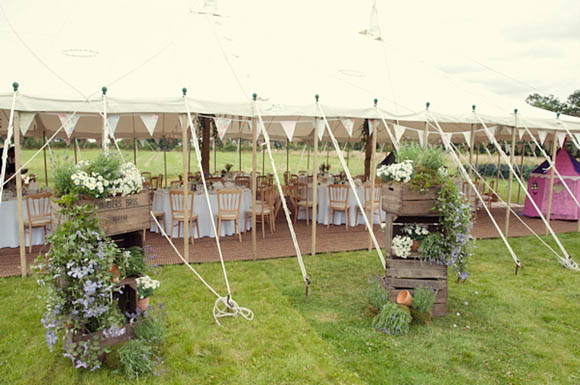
200,208
9,226
355,217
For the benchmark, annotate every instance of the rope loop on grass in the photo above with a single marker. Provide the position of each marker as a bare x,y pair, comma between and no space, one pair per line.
227,307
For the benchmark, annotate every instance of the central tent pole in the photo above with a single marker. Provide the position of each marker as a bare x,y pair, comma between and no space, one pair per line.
254,187
45,166
510,180
550,192
373,177
17,158
315,186
186,208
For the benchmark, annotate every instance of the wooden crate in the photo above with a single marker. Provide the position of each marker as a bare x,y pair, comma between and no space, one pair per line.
400,200
409,274
118,215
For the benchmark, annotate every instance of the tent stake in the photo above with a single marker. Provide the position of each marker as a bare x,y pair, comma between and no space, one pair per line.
314,187
510,181
18,160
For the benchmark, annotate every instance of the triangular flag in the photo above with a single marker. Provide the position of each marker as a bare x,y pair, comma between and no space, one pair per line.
542,135
142,141
288,126
467,135
490,132
399,131
348,125
371,126
69,121
26,119
521,132
421,137
533,147
320,128
150,121
561,137
112,122
506,148
222,125
448,136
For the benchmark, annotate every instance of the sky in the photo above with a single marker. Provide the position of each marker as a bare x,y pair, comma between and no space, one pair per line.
512,48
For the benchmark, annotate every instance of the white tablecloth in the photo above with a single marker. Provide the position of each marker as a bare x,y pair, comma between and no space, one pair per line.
355,217
9,226
161,203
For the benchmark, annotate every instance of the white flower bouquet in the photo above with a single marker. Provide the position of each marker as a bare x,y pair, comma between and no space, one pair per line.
398,172
401,246
416,231
146,286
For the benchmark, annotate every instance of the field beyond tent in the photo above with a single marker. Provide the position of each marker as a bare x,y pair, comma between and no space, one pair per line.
501,328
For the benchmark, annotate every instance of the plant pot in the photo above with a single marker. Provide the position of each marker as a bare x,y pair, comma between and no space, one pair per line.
116,272
143,303
415,245
404,298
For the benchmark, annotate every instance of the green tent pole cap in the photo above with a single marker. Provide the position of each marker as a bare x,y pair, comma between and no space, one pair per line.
316,97
515,111
184,91
558,115
427,105
376,101
473,107
254,96
104,89
15,85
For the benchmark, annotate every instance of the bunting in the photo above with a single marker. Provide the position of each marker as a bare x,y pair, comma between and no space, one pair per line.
348,125
26,119
112,122
222,125
320,128
399,131
421,138
288,126
542,136
371,126
467,135
69,122
521,132
561,138
150,121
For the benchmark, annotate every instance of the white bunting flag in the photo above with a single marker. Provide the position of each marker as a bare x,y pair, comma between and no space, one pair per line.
490,132
320,128
533,147
399,131
222,125
69,122
348,125
421,137
542,135
506,147
561,138
112,122
521,132
467,136
371,126
448,136
142,141
26,119
288,126
150,121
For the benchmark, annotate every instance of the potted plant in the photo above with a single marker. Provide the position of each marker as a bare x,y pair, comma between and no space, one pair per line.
145,288
417,233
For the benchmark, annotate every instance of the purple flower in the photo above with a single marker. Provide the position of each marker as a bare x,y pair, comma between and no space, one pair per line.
90,287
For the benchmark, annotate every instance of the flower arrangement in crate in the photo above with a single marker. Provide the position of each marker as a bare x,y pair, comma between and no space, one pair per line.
423,170
105,176
145,288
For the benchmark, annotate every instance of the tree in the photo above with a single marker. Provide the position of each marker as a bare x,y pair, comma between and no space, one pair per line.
573,107
552,103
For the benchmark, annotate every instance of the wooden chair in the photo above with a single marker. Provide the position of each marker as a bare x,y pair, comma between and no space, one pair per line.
161,181
146,176
39,215
154,182
175,185
178,213
338,201
287,177
472,199
302,199
262,180
376,205
293,179
488,196
214,179
229,203
264,209
243,181
361,177
310,179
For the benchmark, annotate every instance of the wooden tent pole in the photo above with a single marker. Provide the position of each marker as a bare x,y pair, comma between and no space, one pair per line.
471,144
18,177
135,151
254,186
551,191
307,157
497,173
165,160
263,160
510,182
347,153
477,156
185,150
315,186
287,159
372,175
522,150
215,155
327,153
240,153
45,165
76,155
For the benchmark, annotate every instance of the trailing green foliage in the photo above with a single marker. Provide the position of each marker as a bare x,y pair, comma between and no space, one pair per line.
423,298
393,319
136,359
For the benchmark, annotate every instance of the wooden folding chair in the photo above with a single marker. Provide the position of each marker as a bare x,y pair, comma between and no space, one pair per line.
39,214
338,201
264,209
178,213
243,181
301,199
376,205
229,202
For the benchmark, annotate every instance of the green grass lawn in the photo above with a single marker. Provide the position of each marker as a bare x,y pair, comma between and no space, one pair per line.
501,328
